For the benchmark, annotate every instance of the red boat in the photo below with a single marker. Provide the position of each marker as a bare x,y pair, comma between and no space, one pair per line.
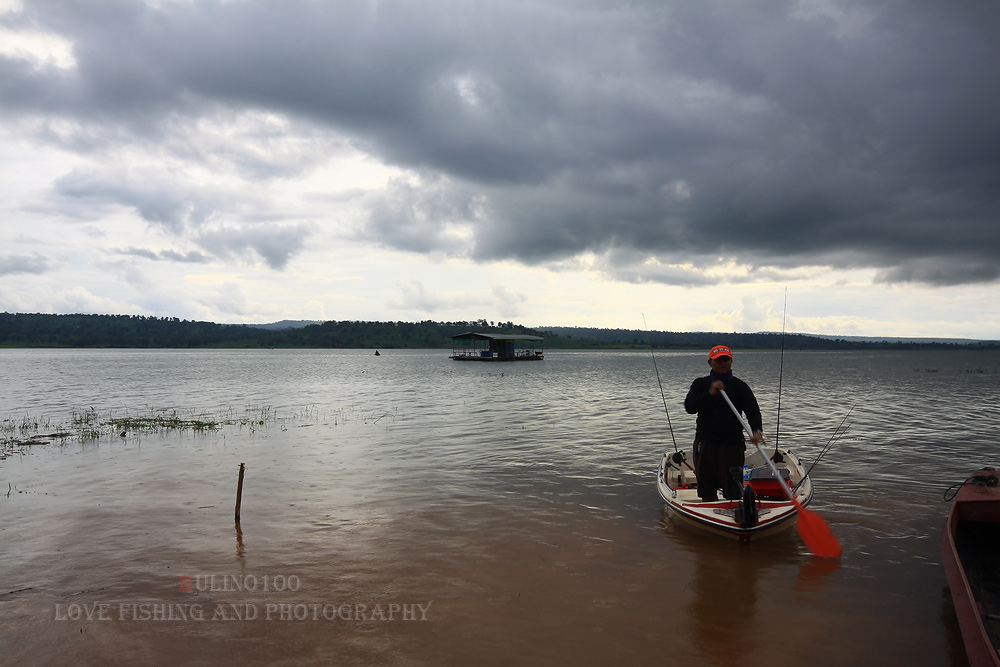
970,545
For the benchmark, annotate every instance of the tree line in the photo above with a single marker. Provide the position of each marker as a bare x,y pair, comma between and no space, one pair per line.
140,331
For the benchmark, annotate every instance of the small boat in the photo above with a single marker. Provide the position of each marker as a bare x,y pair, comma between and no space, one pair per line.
969,546
764,507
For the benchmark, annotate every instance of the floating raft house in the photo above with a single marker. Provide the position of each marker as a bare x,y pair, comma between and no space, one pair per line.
496,347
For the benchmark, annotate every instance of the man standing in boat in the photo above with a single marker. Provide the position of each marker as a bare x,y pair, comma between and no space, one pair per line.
719,444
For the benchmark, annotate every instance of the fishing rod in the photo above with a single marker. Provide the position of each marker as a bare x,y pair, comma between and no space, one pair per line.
781,372
834,439
837,433
669,424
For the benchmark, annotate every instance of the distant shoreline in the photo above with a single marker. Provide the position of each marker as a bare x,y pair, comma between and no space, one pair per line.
33,330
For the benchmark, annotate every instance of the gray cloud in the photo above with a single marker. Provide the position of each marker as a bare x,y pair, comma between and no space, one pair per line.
941,272
275,244
11,264
158,199
191,257
423,217
653,135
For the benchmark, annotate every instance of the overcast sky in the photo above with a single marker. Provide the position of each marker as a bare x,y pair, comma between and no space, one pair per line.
545,162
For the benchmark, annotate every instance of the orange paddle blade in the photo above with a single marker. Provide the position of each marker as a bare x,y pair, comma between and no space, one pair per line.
816,534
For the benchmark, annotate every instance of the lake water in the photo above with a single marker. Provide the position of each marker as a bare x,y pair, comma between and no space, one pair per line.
408,509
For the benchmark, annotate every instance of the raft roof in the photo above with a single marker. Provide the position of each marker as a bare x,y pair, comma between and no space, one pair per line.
471,335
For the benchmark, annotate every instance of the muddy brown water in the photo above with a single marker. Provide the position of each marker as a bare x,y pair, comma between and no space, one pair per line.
407,509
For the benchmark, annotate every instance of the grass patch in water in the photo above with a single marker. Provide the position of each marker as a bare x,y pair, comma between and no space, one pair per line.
90,425
93,425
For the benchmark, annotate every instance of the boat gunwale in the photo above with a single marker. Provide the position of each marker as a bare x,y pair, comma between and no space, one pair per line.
979,646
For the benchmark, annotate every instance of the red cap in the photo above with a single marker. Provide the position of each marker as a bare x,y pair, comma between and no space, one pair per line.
720,351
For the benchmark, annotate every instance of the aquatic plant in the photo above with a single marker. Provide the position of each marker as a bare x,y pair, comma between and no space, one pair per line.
26,424
375,418
90,425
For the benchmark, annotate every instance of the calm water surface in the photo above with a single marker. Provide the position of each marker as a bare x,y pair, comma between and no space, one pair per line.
409,509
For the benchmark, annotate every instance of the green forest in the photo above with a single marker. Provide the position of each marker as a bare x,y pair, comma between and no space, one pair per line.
138,331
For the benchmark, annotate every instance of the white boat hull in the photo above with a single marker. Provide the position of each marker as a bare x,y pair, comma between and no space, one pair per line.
769,513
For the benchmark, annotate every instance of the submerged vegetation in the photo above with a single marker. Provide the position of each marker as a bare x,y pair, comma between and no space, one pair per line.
137,331
16,434
91,425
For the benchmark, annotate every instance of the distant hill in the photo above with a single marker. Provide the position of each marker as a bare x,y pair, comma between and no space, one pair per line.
285,324
139,331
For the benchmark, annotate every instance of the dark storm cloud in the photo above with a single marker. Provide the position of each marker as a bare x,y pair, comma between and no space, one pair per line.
780,134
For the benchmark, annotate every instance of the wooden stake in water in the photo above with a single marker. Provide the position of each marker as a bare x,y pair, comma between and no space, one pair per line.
239,493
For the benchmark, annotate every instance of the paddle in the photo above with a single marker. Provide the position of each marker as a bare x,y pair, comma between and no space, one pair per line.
812,529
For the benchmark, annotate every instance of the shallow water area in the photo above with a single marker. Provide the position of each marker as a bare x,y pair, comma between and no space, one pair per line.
408,509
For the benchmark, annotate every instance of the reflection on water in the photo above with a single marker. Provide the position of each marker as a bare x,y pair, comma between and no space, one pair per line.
738,594
723,583
517,502
240,548
815,572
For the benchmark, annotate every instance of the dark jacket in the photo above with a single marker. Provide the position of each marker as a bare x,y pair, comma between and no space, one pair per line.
716,423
